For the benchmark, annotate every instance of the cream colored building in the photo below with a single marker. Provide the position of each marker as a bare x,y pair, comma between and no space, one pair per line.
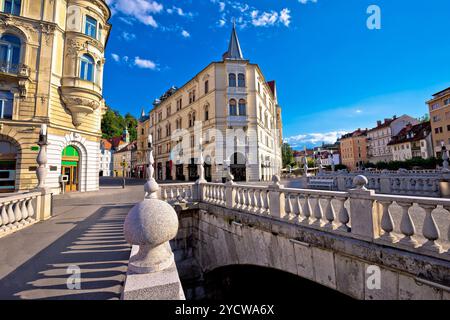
413,141
51,71
378,138
439,107
237,112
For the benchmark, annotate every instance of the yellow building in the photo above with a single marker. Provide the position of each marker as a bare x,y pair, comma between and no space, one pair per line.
353,148
439,107
232,108
51,71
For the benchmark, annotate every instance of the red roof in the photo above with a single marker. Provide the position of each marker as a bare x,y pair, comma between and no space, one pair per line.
106,144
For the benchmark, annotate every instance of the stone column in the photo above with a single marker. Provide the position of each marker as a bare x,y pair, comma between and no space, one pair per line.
276,198
365,223
149,226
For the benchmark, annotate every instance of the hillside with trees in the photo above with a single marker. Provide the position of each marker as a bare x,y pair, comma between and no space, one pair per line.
113,125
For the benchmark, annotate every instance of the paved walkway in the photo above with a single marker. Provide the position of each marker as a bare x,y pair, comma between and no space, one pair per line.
85,233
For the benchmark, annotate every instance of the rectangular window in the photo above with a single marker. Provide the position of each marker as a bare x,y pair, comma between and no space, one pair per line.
12,7
6,104
447,101
436,118
91,27
435,106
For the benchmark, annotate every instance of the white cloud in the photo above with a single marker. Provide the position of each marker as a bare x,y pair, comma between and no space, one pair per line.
306,1
141,10
314,138
115,57
185,34
144,63
128,36
285,17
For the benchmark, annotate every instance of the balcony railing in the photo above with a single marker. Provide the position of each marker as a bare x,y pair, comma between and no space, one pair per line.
10,68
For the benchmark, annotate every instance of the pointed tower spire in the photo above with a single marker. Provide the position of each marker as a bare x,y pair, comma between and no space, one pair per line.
234,48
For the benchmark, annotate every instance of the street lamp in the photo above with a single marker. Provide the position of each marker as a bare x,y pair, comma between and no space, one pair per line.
123,171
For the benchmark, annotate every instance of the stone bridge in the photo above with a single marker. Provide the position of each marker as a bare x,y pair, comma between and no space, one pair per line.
360,243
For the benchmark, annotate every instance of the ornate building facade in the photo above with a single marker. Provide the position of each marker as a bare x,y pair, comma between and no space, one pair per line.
230,110
51,71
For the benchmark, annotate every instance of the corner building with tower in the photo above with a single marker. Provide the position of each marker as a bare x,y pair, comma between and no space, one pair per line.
239,116
51,71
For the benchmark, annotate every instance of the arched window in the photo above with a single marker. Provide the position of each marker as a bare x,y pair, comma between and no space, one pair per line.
233,109
232,80
6,104
87,68
241,80
12,7
242,108
90,28
206,86
9,53
206,113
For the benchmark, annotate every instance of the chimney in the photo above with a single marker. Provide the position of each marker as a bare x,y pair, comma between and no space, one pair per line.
379,123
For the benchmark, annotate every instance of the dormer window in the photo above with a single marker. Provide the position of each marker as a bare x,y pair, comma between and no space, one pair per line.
12,7
91,27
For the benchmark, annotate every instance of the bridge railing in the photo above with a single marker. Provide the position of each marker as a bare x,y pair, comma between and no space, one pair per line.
22,210
416,224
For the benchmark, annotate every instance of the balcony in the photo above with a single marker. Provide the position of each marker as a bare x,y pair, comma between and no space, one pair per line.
237,121
19,73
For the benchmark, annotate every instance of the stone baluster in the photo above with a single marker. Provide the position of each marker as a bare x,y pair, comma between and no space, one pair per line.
430,230
164,194
298,208
41,171
241,199
407,226
11,216
237,201
307,210
344,217
288,206
18,214
317,212
231,194
387,223
30,210
24,211
265,202
4,220
329,214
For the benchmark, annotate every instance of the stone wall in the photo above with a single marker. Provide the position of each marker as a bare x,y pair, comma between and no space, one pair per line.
210,237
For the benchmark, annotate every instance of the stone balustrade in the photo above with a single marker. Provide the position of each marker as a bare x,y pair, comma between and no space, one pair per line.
22,210
177,192
415,182
415,224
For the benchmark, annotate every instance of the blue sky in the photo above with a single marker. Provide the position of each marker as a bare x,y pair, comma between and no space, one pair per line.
333,74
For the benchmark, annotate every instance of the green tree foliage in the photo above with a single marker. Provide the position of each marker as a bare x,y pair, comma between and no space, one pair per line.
425,118
287,155
113,125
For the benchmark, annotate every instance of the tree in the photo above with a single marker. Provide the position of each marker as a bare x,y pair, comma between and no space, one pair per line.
424,118
287,154
113,125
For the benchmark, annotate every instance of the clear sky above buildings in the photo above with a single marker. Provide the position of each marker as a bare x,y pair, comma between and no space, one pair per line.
333,73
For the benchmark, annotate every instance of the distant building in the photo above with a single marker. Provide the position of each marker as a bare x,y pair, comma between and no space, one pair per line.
379,137
439,107
354,149
123,160
412,142
106,158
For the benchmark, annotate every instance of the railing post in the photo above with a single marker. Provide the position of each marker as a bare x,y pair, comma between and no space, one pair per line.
44,206
276,198
364,223
385,182
341,182
230,191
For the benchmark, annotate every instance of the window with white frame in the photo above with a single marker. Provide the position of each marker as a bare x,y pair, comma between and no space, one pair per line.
87,64
6,104
90,27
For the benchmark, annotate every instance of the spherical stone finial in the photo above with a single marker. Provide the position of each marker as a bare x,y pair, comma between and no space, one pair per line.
151,224
360,181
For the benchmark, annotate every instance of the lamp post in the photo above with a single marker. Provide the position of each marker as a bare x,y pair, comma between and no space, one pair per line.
123,172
